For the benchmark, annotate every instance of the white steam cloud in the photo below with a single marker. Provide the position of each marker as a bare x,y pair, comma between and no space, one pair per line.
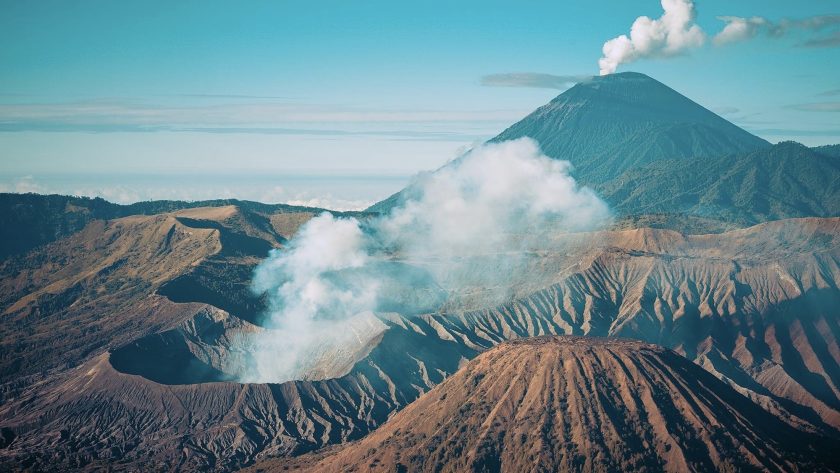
671,34
470,231
675,32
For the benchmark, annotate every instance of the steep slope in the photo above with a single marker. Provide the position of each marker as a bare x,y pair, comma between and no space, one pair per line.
610,124
613,123
785,181
31,220
96,416
755,307
90,290
101,287
28,221
578,404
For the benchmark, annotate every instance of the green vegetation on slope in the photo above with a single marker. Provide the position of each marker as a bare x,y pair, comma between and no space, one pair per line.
785,181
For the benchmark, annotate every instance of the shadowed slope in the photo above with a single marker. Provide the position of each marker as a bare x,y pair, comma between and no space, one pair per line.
577,404
787,180
95,416
95,287
755,307
28,221
607,125
613,123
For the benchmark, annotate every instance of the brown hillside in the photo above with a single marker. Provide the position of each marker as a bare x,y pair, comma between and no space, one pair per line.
575,404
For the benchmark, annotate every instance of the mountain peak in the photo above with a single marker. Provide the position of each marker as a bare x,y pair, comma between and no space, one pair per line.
791,145
577,404
626,94
625,77
608,124
626,74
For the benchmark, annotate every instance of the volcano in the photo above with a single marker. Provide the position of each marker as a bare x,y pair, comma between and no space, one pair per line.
661,160
578,404
609,124
124,324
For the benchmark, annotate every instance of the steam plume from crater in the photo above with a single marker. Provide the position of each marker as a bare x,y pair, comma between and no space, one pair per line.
466,234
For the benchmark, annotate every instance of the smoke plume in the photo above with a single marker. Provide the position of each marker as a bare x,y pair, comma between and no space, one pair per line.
676,32
468,234
670,34
740,29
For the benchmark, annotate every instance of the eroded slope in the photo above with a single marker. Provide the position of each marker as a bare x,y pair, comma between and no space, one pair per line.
756,307
577,404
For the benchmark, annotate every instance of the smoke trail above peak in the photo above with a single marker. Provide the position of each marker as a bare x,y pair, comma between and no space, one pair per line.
668,35
676,32
472,227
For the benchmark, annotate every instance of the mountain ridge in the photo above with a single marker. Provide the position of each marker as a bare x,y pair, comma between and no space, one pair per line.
786,180
30,220
566,403
608,125
754,307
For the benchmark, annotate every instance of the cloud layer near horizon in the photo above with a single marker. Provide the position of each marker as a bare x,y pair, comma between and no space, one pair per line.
533,80
114,115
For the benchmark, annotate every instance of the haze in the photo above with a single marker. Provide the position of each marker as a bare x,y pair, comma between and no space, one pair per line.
94,95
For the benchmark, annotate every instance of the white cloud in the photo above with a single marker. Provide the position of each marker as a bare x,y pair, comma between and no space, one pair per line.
22,185
726,110
676,32
339,193
738,29
672,33
472,227
744,28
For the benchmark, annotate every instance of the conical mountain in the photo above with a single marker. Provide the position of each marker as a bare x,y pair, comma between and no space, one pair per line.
577,404
609,124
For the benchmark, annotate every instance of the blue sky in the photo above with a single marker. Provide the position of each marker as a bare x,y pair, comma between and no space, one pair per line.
367,89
